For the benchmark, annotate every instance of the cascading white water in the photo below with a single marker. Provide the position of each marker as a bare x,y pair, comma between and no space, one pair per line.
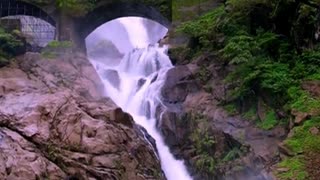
134,81
134,84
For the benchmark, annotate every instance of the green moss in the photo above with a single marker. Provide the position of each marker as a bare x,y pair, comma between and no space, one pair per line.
269,122
60,44
302,101
296,166
56,48
49,55
303,140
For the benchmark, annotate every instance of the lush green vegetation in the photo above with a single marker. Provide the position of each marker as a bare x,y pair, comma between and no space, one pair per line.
296,169
302,142
10,46
203,144
56,48
269,59
60,44
272,49
207,158
269,122
76,7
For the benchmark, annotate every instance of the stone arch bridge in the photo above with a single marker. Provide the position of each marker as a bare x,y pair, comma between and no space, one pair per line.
75,27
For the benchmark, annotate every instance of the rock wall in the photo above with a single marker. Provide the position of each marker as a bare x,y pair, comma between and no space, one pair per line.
55,124
213,143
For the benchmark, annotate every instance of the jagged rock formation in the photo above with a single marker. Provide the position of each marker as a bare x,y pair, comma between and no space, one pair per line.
54,124
214,144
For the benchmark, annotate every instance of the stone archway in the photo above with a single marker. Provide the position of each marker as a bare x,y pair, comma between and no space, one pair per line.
112,11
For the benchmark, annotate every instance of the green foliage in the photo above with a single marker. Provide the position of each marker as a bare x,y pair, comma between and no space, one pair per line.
296,166
206,163
269,122
302,101
203,144
10,46
238,49
8,43
204,74
60,44
265,61
203,28
56,48
271,48
76,7
303,140
232,155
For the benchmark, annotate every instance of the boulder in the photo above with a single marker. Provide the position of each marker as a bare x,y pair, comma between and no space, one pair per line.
313,87
179,83
55,124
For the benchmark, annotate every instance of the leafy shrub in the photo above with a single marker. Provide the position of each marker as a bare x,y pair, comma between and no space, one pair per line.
10,46
8,43
204,144
204,28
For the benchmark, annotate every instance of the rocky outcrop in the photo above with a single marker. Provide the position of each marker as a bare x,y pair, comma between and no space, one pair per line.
213,144
54,124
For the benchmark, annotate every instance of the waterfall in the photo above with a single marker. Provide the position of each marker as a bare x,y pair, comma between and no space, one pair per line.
134,84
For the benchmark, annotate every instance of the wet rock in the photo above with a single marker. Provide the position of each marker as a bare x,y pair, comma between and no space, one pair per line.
121,117
259,148
54,124
283,170
141,83
178,84
113,78
300,117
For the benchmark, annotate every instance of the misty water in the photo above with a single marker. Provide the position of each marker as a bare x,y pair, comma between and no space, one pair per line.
132,67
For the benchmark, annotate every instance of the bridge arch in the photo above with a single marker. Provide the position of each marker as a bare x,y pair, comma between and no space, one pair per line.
106,13
16,7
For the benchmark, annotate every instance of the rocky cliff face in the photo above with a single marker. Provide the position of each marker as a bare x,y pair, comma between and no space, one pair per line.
54,124
214,144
